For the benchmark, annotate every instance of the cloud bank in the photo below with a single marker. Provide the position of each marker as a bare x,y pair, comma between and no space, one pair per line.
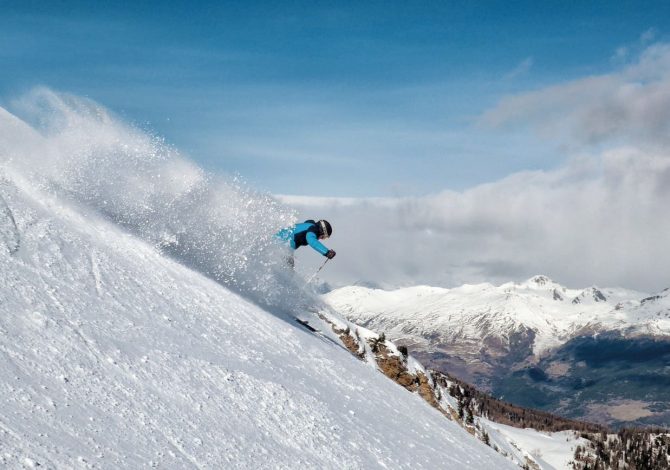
600,218
631,105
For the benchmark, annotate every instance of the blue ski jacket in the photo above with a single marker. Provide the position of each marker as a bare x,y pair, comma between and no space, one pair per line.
301,235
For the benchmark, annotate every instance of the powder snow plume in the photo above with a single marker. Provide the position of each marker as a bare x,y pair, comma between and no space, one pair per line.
76,150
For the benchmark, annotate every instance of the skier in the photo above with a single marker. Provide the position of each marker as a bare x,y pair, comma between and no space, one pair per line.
309,233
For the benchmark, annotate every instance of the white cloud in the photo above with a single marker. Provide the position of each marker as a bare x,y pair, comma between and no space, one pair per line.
648,36
621,54
598,219
521,69
631,105
594,221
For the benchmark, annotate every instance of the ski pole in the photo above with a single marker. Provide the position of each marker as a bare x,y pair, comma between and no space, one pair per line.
317,271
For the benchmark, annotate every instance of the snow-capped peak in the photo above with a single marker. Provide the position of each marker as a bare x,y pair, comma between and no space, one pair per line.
590,294
664,294
540,285
548,309
539,281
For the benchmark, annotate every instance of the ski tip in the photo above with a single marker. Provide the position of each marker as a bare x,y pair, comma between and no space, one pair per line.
306,324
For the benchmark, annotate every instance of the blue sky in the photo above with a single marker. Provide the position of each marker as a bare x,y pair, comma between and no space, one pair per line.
326,98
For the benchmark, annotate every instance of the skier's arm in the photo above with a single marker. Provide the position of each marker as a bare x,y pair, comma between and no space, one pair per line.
314,242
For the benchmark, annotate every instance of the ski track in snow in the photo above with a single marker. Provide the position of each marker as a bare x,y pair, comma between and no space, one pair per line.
114,356
9,232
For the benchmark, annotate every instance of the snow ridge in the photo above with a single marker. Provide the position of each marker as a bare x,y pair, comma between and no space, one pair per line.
9,232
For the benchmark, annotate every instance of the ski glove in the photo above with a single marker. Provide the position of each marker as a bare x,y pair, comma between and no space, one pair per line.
330,254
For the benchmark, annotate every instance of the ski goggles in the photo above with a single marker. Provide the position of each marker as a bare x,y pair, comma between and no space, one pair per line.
324,230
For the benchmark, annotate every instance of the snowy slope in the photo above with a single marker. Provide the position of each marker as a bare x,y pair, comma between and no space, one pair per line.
114,355
548,450
544,311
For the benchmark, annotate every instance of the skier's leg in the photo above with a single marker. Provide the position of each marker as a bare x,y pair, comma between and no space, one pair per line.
290,258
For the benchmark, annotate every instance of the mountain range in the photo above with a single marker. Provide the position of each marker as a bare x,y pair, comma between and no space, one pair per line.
591,353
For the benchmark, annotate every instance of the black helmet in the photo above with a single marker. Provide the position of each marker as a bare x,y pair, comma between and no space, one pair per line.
324,228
